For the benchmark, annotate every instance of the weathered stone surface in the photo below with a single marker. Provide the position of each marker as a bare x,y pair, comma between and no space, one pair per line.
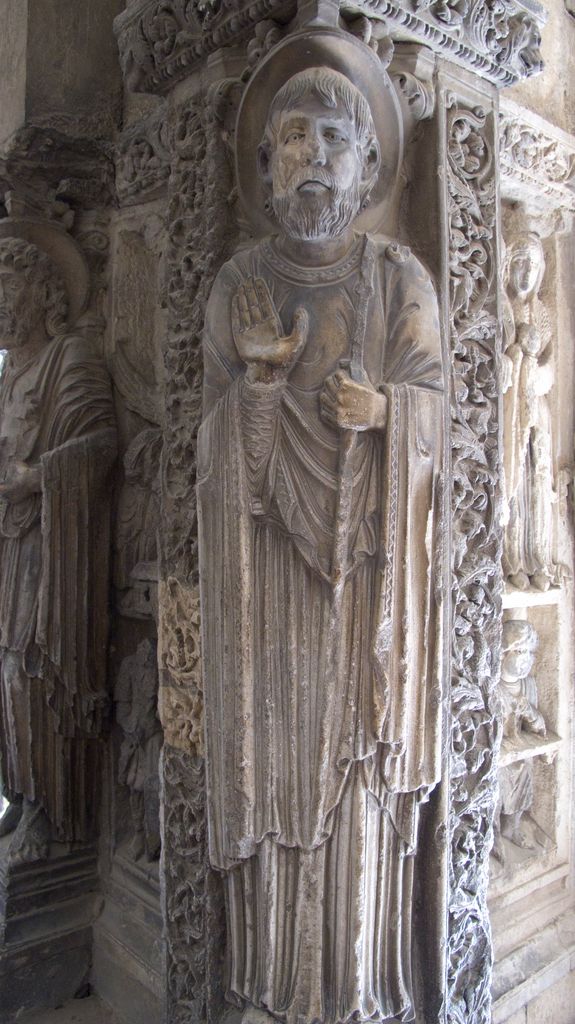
58,431
305,662
46,943
59,68
159,42
157,213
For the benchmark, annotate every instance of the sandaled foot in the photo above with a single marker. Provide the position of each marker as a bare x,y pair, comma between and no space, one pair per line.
520,580
138,844
253,1015
518,838
31,840
498,851
540,581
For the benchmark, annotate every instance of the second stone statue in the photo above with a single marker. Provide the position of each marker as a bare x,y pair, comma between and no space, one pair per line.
322,553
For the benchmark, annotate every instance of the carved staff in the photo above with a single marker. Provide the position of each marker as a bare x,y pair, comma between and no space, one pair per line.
343,508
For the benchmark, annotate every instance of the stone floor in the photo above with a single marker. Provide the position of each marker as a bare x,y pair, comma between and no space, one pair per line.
79,1011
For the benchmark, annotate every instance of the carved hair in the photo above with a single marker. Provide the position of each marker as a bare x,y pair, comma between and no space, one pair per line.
331,88
24,258
518,635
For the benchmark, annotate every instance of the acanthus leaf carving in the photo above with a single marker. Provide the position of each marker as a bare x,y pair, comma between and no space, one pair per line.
200,229
477,583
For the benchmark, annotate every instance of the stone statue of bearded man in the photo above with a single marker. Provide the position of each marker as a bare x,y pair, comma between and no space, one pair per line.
57,443
320,458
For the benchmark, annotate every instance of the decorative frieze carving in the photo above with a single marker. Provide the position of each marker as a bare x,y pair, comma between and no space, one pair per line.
143,160
537,162
181,708
160,42
475,502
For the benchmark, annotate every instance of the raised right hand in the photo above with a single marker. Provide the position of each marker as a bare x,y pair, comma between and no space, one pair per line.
258,336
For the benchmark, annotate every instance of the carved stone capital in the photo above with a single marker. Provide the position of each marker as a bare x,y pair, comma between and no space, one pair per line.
411,71
161,42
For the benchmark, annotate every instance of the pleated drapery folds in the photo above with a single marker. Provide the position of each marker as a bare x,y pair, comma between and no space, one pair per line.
323,737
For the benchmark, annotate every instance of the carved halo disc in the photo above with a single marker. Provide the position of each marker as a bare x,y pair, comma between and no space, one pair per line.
64,253
351,57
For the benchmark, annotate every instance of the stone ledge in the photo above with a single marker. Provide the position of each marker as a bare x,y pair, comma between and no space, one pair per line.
533,968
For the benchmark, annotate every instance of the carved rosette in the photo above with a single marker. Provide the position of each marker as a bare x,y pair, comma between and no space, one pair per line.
161,40
470,207
199,225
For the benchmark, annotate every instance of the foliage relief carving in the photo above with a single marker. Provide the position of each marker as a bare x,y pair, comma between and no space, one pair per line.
476,593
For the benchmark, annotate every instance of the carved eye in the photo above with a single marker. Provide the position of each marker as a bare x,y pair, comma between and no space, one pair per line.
333,135
293,137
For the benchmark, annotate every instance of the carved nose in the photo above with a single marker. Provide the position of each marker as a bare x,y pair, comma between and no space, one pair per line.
314,154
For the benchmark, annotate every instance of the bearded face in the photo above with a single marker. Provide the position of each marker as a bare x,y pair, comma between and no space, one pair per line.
317,170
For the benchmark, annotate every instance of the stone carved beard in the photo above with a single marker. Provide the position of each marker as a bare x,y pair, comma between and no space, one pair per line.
308,216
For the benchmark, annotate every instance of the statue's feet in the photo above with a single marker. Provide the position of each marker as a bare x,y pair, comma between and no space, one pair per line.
498,850
540,581
10,819
138,844
31,840
520,580
518,838
253,1015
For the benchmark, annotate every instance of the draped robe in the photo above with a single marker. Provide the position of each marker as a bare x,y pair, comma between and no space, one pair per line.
323,738
56,411
528,449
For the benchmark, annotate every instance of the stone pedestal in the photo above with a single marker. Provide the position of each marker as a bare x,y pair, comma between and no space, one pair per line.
47,911
129,961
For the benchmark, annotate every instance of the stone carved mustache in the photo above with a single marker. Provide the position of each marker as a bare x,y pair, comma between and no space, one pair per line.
315,215
302,177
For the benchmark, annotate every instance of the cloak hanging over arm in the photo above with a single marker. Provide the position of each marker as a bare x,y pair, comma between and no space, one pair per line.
396,729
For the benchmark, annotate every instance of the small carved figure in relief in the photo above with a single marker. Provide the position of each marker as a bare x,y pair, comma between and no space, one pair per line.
137,519
136,698
57,444
518,693
528,379
320,460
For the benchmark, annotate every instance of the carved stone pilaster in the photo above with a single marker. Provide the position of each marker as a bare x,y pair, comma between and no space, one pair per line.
199,230
469,123
161,41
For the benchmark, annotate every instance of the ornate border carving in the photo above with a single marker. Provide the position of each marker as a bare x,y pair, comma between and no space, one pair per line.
161,41
471,208
537,161
199,228
143,160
